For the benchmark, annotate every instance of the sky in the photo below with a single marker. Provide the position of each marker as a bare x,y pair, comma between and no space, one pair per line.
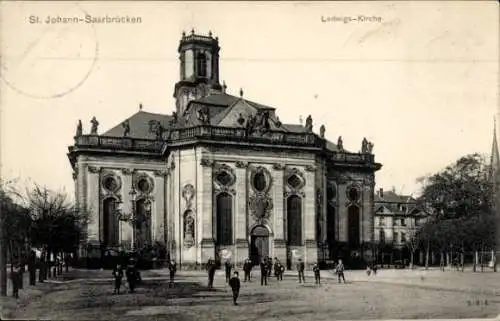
420,79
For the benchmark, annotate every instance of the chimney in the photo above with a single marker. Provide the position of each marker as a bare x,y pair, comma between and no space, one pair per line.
381,192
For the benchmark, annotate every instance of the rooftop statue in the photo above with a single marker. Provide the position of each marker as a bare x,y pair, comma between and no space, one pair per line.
126,128
322,130
309,124
340,144
95,124
364,146
79,128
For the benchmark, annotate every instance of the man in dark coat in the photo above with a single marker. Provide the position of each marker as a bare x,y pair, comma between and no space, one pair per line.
15,276
118,276
300,269
132,276
172,267
263,272
32,267
317,276
247,268
269,266
228,267
235,284
211,267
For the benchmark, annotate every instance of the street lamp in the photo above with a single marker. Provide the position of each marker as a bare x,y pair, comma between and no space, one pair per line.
133,217
129,217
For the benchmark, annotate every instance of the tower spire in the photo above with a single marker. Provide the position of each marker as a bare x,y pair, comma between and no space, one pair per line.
495,157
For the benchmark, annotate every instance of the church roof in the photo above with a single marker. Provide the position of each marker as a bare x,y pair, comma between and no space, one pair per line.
226,100
139,125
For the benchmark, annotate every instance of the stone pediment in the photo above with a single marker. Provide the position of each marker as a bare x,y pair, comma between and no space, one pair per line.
237,114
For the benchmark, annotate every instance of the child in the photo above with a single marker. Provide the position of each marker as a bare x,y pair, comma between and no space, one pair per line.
234,282
173,269
118,275
316,273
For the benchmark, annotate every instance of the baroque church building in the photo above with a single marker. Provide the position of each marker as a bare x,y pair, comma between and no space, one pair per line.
222,176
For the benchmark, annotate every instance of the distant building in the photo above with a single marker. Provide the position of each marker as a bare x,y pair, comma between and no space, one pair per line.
397,219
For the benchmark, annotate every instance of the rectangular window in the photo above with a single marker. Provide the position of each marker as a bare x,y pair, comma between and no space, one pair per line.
403,237
403,223
381,221
396,237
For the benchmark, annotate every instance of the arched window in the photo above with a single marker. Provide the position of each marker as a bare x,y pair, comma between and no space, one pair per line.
143,223
110,223
353,226
201,61
294,220
224,219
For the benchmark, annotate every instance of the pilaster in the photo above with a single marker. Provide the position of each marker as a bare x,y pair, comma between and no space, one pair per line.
126,229
310,217
341,213
207,241
241,213
94,233
278,201
159,218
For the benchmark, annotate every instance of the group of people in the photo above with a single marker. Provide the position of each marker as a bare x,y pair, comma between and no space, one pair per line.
131,273
266,267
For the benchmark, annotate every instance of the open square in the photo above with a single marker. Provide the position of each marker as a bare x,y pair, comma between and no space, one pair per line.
403,294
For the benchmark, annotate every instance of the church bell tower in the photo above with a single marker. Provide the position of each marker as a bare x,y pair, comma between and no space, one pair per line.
199,69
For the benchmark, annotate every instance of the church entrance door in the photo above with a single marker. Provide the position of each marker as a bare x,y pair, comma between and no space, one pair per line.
259,247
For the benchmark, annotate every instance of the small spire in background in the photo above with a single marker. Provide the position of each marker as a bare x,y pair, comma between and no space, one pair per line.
140,106
241,92
192,31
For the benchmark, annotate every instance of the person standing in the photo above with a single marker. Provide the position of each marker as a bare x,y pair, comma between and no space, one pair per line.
32,267
15,276
132,276
172,267
235,284
228,267
317,276
340,270
300,269
211,267
118,276
247,268
263,272
269,266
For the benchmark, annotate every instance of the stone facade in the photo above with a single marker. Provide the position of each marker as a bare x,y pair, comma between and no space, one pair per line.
222,177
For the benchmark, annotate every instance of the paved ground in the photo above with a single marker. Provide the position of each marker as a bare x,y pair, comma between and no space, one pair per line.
84,295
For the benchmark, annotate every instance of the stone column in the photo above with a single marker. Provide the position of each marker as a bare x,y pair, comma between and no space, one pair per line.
207,240
367,219
309,217
81,198
93,200
241,214
278,213
159,214
341,213
126,228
